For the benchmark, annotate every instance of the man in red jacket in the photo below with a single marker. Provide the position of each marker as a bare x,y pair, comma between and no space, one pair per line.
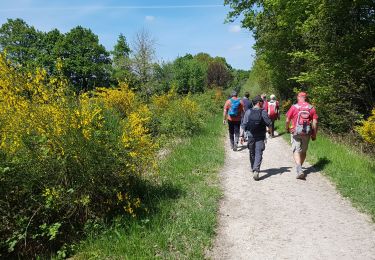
302,123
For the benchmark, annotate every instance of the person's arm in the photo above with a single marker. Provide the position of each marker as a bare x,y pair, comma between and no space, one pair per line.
288,119
267,121
314,124
225,113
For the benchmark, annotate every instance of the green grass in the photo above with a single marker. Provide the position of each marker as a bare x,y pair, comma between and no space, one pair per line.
353,173
182,220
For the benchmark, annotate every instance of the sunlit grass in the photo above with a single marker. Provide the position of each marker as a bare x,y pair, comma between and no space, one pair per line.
182,221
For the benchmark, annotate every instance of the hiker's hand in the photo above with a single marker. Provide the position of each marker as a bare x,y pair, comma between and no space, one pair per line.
313,137
242,140
224,122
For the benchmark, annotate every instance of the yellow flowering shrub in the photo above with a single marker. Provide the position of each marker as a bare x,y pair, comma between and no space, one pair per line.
367,129
66,159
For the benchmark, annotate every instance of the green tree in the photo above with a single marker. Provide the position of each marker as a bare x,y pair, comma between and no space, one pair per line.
85,61
121,62
325,47
21,42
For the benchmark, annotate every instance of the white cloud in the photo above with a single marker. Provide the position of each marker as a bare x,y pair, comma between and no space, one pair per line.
149,18
235,28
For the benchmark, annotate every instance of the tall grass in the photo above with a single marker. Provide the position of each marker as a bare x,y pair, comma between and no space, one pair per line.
352,172
183,207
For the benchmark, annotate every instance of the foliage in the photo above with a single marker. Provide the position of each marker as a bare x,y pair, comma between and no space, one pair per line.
85,61
65,160
121,62
367,129
324,47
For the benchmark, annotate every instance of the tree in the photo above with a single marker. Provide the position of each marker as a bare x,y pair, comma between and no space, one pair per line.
143,56
121,61
85,61
218,74
21,42
325,47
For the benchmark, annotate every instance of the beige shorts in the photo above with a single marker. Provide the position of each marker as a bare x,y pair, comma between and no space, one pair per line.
300,143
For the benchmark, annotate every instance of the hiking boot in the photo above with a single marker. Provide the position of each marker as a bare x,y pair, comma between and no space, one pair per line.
256,175
235,147
300,174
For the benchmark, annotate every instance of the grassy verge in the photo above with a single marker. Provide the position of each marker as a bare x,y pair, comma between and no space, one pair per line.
353,173
182,220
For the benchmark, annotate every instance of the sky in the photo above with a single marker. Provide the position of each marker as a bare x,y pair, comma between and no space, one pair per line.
178,27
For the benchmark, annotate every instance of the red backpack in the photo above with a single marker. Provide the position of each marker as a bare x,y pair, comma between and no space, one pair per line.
303,124
272,110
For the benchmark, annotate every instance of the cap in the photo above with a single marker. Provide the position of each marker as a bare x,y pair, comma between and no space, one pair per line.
234,93
272,96
302,94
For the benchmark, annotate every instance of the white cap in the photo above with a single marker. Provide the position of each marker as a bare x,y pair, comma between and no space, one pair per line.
272,97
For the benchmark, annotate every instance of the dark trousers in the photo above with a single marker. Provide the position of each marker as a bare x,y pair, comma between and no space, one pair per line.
273,128
234,132
256,148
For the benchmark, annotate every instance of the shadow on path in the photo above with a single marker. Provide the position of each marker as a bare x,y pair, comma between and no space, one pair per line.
274,171
318,166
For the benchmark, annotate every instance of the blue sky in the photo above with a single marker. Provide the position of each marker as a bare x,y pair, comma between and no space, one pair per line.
179,27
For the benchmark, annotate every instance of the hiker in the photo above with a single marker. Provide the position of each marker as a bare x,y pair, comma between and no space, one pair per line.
273,112
304,125
254,123
247,104
233,111
265,103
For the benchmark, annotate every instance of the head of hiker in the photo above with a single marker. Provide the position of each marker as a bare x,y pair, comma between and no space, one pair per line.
263,96
258,101
247,94
273,97
234,93
302,97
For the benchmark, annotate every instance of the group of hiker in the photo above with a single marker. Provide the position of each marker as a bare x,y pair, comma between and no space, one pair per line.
250,120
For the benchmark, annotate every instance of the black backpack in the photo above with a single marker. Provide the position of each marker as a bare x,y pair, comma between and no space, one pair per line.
256,124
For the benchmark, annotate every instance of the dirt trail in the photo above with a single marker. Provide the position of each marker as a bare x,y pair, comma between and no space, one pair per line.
280,217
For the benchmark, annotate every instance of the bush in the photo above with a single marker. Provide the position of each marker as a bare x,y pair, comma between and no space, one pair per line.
367,129
65,160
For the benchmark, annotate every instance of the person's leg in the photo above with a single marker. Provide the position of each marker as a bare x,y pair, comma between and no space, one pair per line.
231,133
259,148
297,150
251,147
273,128
237,126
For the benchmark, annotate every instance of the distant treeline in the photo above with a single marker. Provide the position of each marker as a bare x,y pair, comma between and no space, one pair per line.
324,47
87,64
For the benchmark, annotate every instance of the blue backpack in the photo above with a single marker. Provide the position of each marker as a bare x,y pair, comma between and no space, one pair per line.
233,110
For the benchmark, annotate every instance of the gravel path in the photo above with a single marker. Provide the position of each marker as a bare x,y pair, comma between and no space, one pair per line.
280,217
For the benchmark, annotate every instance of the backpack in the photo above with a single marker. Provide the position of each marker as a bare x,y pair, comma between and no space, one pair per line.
255,123
303,124
233,110
272,110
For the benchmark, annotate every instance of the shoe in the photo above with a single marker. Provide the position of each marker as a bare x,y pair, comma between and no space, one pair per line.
300,176
256,175
235,147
